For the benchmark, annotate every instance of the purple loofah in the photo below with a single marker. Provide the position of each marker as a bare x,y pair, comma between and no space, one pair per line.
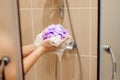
55,30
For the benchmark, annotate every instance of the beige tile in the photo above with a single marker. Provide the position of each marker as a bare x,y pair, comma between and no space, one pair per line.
38,3
51,16
66,22
85,68
38,21
94,3
93,68
26,27
78,3
45,3
41,21
31,74
94,32
72,3
81,25
68,68
46,67
25,3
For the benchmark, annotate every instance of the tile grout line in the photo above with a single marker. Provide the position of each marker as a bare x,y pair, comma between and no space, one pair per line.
33,34
90,61
80,55
56,8
88,56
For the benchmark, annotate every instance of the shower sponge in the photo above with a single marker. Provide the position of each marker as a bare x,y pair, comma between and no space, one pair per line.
55,30
55,33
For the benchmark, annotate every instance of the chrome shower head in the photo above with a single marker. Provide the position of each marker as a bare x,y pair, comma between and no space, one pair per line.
61,8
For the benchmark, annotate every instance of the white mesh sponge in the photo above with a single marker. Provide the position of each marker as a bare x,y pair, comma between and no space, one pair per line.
55,33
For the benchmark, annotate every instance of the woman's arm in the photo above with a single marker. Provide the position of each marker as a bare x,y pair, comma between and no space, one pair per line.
27,50
39,51
32,58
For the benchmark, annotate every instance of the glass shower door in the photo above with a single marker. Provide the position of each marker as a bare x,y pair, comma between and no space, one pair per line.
110,48
10,49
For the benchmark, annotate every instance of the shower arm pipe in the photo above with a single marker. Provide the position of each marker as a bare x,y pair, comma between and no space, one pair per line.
114,65
73,34
61,8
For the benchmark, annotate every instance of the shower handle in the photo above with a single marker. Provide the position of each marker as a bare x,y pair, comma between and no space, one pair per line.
70,47
3,63
114,65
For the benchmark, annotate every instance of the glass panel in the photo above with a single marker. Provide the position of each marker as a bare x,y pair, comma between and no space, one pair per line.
10,39
110,26
81,22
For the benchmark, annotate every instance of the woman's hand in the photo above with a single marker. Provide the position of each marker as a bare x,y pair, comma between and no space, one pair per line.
47,46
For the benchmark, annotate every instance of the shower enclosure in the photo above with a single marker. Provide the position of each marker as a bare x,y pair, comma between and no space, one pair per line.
22,20
78,16
10,44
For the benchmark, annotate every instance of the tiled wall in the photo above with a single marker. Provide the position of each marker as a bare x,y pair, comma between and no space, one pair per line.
84,20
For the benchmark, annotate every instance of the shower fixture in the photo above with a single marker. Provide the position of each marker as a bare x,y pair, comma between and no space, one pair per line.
61,8
3,63
71,46
108,49
74,45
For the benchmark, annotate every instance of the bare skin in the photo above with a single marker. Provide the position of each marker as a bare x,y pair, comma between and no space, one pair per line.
31,53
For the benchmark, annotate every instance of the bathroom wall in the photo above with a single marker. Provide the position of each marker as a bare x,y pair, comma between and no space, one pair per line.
84,20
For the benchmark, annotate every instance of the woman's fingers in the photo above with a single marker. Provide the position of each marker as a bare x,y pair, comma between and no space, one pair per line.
49,47
65,39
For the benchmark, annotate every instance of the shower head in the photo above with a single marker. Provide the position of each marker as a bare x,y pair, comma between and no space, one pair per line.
61,8
61,12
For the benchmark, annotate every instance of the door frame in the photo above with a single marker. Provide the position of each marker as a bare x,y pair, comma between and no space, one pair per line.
98,40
